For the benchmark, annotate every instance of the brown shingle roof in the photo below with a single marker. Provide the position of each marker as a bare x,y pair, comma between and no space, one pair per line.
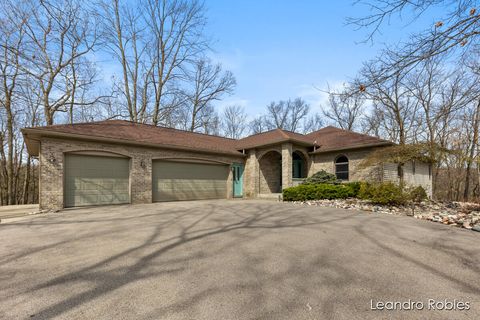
272,137
127,131
331,138
120,131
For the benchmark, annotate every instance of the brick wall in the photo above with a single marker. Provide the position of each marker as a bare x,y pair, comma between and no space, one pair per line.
387,172
250,175
326,161
270,172
52,159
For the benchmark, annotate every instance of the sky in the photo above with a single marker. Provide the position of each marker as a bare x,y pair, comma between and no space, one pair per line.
287,49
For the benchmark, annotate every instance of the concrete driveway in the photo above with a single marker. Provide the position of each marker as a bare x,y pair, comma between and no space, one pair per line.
232,260
17,210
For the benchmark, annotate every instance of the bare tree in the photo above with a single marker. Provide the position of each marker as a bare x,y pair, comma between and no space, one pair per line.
258,125
312,123
286,114
299,110
472,148
127,40
390,97
209,84
344,108
177,27
456,32
12,36
234,121
209,120
60,33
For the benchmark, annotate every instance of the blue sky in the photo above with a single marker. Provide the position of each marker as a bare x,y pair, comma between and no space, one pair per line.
284,49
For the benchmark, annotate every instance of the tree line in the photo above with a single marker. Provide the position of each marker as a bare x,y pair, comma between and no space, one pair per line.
423,94
54,55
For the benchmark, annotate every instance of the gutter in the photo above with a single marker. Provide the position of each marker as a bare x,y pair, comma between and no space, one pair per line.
50,134
360,146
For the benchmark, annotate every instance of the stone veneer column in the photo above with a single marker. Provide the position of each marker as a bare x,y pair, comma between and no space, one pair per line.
286,165
51,176
141,178
251,174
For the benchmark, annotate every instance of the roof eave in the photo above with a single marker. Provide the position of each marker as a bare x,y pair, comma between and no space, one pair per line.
369,145
253,146
32,136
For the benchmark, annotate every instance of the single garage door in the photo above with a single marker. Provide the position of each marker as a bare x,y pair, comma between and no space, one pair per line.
188,181
96,180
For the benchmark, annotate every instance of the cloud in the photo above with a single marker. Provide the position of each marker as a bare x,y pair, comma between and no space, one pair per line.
315,94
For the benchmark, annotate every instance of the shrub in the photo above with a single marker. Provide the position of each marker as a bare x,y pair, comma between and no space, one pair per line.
365,191
387,193
355,186
322,177
305,192
417,194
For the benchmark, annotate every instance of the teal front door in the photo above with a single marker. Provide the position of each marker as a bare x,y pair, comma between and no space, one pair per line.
237,170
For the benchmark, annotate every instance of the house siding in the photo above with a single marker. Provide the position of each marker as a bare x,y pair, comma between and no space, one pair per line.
421,176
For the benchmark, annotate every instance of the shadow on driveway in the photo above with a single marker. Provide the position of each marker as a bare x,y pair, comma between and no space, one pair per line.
231,260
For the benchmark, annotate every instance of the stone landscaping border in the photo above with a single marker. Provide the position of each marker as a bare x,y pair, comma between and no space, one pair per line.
459,214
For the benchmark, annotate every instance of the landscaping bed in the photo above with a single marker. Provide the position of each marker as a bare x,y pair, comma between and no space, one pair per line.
458,214
324,189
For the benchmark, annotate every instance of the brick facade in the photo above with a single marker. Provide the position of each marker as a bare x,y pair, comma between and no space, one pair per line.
271,172
326,161
267,169
52,153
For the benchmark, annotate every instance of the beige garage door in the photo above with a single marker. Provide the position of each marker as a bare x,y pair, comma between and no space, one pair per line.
188,181
96,180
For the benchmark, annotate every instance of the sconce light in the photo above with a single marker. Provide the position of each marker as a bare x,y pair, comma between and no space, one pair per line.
142,164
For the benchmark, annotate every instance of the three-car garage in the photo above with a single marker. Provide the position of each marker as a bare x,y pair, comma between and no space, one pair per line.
92,179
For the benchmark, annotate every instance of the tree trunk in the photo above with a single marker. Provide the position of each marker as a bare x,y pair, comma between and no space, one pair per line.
10,191
26,182
476,120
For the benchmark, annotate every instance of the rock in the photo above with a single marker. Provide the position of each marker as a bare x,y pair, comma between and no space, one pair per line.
476,228
467,225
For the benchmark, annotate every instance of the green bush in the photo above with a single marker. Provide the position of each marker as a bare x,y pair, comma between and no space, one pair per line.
322,177
417,194
305,192
387,193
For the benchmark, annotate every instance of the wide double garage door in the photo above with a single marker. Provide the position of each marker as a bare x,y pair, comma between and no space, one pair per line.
103,180
175,180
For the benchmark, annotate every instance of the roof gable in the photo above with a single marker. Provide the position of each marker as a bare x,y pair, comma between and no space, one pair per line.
273,137
332,138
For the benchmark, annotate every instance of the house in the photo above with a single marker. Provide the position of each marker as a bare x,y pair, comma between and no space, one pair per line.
115,161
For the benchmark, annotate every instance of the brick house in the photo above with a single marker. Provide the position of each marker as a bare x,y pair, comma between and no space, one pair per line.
115,161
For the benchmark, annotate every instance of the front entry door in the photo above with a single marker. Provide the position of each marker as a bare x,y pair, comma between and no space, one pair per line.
237,170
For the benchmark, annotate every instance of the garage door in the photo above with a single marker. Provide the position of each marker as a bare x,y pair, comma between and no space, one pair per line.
96,180
188,181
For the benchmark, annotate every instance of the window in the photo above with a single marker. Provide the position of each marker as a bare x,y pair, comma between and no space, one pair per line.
341,168
297,166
